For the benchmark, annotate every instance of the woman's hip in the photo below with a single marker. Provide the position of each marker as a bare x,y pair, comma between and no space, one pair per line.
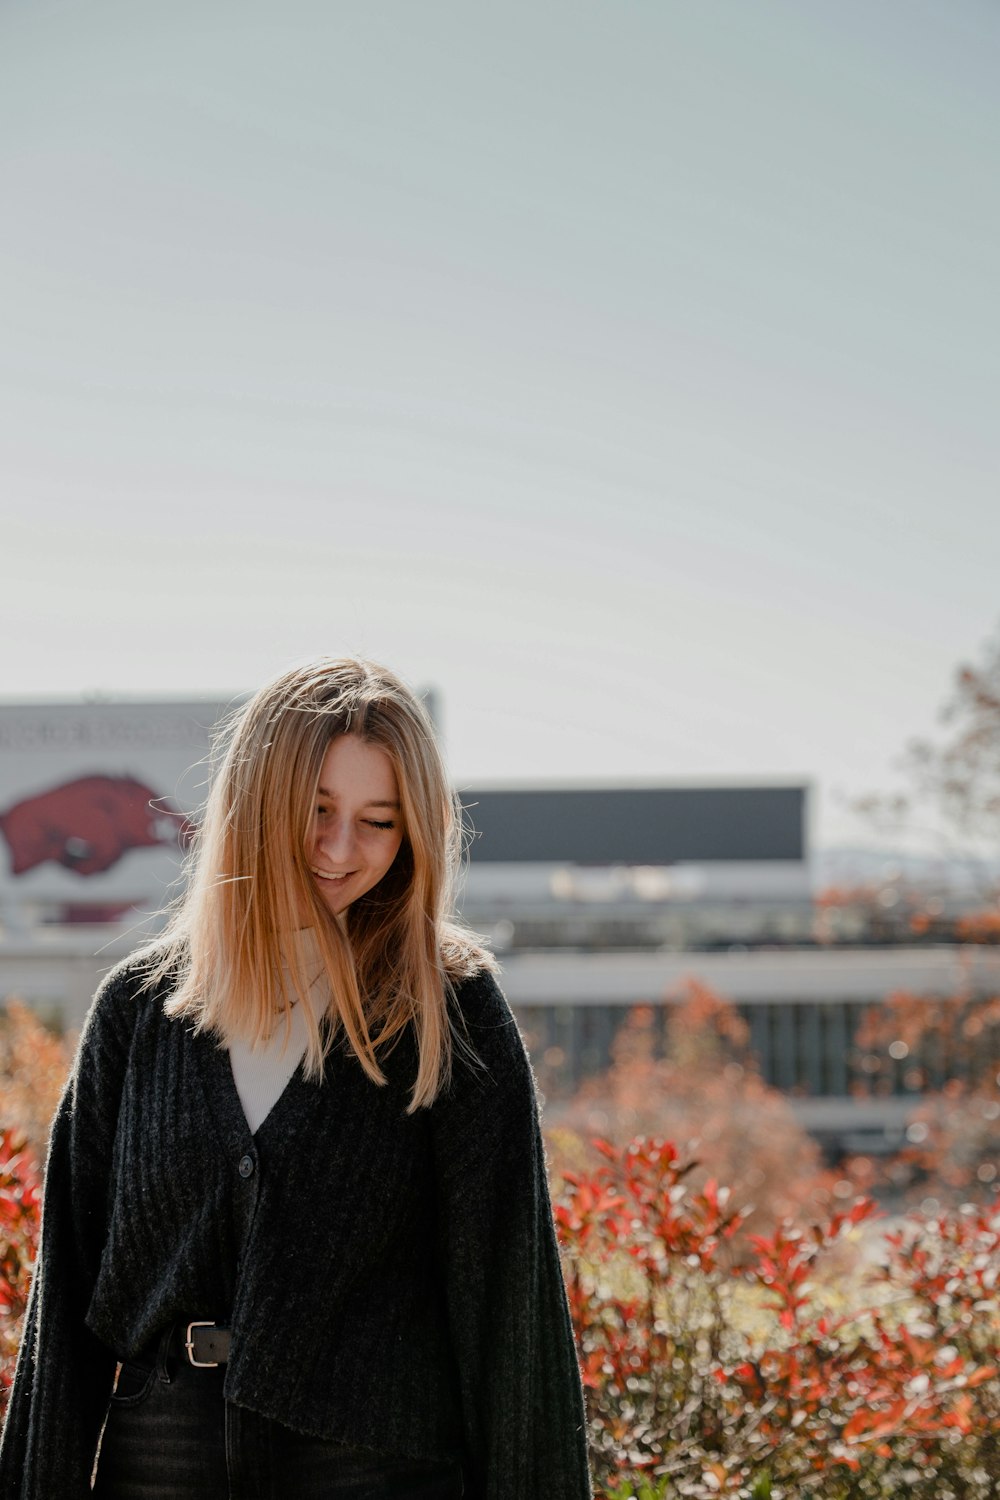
171,1435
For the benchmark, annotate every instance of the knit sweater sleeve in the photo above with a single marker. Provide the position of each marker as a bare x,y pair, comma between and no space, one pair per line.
518,1371
64,1375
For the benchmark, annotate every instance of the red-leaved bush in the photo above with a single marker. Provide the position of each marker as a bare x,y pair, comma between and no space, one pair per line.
763,1378
20,1212
825,1361
685,1072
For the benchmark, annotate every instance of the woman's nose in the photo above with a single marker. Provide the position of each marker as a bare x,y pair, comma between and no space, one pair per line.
336,841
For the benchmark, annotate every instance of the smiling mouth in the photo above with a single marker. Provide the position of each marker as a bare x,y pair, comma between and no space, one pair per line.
329,874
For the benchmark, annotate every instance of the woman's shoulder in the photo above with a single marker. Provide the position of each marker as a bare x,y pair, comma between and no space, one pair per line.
491,1090
478,1000
148,967
136,982
489,1046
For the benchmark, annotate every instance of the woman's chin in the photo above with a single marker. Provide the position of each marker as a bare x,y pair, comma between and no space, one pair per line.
337,898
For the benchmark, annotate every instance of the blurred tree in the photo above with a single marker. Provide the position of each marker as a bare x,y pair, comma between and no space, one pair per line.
947,1052
685,1072
953,783
34,1065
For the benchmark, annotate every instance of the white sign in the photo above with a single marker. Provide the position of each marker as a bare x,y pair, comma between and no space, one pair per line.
98,800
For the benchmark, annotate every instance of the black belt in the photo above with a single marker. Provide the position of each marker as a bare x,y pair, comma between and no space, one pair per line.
205,1345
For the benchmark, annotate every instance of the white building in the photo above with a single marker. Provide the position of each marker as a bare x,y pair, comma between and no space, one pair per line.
596,898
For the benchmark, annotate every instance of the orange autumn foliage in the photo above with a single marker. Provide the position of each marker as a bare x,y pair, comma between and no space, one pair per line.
687,1073
34,1066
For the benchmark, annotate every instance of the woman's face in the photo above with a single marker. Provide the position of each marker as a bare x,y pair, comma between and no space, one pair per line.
356,825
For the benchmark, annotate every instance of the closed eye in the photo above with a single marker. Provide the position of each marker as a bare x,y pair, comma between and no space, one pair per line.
374,823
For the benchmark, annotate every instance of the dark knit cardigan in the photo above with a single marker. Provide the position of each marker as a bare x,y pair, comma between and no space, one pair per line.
392,1281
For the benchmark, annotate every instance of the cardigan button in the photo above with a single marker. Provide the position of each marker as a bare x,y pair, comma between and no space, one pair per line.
246,1167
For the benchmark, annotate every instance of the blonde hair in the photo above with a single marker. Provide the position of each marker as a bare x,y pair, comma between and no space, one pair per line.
250,881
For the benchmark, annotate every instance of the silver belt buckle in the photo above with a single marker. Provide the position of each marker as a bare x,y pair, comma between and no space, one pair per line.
201,1364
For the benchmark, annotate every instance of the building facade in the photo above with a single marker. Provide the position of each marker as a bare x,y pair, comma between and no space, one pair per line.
595,898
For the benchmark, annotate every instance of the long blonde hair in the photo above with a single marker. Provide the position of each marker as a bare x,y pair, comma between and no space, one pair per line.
250,882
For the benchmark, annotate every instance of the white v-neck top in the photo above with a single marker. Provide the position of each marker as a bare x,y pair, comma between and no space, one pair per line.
261,1073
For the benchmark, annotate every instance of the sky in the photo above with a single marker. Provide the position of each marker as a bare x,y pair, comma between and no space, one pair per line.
628,372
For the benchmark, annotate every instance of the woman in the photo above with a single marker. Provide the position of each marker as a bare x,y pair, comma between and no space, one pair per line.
296,1183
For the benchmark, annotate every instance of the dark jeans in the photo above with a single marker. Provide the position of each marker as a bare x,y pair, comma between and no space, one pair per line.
171,1435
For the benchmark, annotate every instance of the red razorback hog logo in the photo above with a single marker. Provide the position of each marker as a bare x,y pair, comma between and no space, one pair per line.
88,824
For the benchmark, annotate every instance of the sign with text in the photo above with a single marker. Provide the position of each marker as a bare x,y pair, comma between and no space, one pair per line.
98,800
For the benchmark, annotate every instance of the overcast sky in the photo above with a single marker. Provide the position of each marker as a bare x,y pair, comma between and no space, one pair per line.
628,371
